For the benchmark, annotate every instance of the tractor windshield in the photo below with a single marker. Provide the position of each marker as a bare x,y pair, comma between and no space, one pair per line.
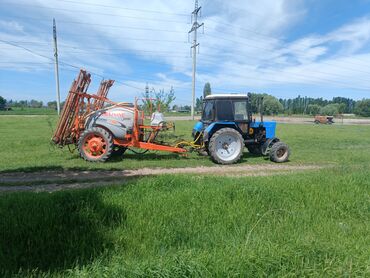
208,111
225,110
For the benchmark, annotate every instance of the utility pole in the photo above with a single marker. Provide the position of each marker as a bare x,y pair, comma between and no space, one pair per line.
56,65
194,28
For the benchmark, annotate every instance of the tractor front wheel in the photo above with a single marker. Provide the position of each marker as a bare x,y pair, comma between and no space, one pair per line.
95,144
279,152
226,146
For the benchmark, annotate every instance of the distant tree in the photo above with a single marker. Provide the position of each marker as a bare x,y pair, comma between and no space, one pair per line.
175,107
313,109
363,108
198,104
271,104
300,104
35,104
52,105
342,108
207,90
159,99
2,101
330,109
23,103
163,99
186,107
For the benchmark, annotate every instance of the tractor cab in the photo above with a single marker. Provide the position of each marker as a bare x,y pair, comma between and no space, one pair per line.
226,126
232,108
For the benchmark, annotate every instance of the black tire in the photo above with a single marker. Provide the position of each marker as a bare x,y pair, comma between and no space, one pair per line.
317,122
118,150
95,144
279,152
220,137
255,149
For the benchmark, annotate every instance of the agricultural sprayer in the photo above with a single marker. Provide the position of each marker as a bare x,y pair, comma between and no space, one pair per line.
100,127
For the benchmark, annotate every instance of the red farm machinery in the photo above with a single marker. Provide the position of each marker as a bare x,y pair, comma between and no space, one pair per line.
100,127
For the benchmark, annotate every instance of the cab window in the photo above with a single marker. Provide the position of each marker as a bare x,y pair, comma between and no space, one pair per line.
240,111
224,110
207,114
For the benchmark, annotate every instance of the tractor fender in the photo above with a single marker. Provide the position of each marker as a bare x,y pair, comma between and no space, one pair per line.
268,144
198,127
212,128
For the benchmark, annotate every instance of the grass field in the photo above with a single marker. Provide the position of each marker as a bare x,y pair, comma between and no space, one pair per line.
26,146
313,223
29,111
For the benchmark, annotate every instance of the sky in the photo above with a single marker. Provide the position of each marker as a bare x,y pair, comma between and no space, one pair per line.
284,48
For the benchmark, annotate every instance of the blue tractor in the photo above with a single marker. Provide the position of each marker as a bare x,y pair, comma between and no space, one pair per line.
227,126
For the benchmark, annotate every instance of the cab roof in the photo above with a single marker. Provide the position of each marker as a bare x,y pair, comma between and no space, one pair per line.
223,96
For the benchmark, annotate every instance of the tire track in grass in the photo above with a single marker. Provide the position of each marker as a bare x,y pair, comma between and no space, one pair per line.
50,181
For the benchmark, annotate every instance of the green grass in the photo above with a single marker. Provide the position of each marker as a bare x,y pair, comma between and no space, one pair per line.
25,144
176,226
313,223
29,111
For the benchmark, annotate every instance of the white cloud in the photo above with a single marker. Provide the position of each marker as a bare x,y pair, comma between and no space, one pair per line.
11,26
244,46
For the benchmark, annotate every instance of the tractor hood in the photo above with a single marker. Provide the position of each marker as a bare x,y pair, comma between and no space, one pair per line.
270,127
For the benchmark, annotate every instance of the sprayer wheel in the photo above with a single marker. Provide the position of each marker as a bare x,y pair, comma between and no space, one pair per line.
95,144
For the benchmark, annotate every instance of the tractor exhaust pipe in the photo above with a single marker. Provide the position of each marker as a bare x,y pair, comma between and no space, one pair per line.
261,109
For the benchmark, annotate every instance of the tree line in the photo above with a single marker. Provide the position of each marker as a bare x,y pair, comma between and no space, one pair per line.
311,106
26,103
271,105
301,105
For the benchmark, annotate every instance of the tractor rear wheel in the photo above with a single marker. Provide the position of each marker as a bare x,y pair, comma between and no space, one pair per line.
279,152
95,144
226,146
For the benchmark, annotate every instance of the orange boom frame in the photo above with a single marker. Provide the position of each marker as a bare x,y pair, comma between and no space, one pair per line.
80,105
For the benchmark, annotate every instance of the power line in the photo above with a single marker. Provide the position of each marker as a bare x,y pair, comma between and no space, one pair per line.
99,37
62,62
97,13
268,37
121,8
26,49
103,25
294,74
111,49
248,30
26,63
258,47
283,64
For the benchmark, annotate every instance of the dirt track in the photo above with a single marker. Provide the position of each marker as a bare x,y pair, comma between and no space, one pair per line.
50,181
